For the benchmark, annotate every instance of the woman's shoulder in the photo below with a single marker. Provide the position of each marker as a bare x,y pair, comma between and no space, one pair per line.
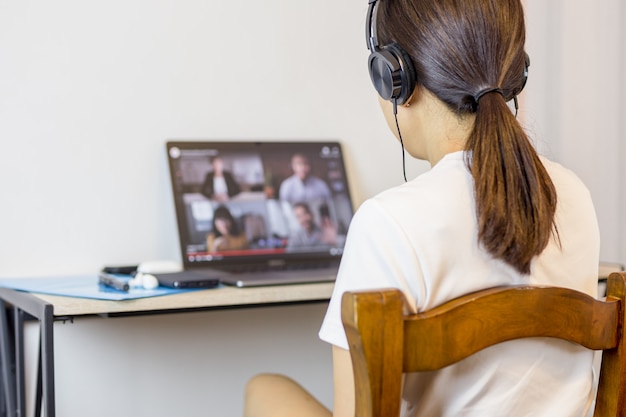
440,198
565,180
448,181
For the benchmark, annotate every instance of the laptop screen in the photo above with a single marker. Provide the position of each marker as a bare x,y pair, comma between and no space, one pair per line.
263,203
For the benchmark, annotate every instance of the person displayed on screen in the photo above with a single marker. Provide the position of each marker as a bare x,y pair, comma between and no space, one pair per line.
219,184
226,234
309,234
302,186
489,212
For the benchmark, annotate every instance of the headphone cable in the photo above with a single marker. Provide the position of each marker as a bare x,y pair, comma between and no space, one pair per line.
395,115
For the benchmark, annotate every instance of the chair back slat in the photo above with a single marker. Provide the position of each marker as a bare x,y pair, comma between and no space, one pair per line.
385,342
471,323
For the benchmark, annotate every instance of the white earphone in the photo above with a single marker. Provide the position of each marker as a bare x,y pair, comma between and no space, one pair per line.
147,281
144,278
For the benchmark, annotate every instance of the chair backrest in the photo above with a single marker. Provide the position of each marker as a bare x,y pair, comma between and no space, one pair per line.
385,342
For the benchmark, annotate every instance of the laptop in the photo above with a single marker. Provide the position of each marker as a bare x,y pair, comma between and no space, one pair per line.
261,213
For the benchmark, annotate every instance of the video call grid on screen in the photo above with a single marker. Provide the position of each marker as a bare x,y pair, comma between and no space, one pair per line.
258,192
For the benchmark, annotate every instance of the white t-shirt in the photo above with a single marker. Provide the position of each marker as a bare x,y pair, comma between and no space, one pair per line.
421,237
219,186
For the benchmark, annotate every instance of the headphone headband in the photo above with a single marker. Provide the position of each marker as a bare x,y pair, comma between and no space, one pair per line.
391,68
371,38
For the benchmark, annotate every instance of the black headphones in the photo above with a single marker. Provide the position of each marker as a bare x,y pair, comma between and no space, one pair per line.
391,68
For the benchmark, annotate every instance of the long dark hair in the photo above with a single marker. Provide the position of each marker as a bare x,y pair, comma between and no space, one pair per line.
222,212
460,48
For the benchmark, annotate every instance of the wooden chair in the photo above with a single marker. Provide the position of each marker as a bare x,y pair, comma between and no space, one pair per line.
384,342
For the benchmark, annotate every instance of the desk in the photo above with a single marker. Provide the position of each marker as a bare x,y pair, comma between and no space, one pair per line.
49,308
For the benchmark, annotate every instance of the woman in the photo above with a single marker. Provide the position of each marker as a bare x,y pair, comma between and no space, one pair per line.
226,233
490,212
219,184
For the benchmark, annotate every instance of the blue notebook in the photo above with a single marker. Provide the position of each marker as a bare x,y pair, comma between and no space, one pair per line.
85,286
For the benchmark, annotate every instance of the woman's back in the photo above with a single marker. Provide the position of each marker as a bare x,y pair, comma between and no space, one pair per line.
425,242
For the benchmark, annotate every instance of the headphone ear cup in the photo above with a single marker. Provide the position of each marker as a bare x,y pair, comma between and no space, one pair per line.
392,73
409,78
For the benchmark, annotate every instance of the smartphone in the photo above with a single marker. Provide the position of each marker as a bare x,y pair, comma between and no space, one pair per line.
121,269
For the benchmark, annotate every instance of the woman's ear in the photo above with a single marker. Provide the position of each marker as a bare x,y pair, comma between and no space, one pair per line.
413,97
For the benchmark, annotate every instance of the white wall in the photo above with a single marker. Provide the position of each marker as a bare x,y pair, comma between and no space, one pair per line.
576,100
621,149
90,91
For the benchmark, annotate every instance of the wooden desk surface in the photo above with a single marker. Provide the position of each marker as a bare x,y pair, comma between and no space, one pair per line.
218,297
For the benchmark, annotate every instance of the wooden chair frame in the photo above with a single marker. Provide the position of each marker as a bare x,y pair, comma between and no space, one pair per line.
385,343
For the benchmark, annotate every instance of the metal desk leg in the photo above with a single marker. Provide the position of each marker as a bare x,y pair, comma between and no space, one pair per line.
47,358
38,393
45,367
7,364
26,304
20,360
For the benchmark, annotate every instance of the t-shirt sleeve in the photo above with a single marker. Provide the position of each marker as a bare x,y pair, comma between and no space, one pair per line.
377,254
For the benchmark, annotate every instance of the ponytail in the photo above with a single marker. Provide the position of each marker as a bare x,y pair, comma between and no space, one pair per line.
470,51
515,197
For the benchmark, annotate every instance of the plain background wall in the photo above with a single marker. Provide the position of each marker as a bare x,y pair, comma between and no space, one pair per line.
576,100
90,92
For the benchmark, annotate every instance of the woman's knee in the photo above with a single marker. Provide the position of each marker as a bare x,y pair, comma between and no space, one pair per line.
278,395
267,383
265,395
